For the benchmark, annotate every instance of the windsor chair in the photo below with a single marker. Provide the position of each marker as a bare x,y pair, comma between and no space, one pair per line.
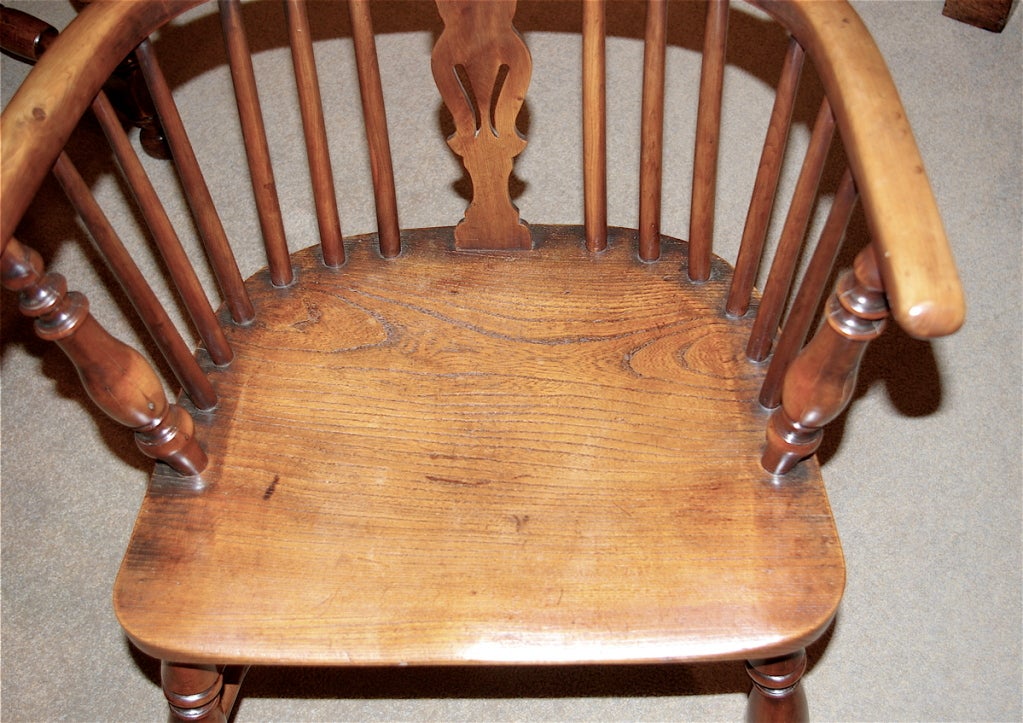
492,442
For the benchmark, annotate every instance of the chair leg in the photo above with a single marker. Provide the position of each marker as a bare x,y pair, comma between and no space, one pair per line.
777,694
193,692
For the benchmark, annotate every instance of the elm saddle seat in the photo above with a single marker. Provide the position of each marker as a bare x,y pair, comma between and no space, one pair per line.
490,442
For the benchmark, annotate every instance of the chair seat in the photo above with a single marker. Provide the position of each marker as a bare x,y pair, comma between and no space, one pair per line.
534,456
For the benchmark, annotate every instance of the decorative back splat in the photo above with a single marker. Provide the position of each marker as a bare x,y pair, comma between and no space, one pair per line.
482,69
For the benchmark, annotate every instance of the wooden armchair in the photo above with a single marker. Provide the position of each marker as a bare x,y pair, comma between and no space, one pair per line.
490,442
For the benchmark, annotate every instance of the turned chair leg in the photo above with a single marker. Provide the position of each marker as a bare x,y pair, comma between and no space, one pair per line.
777,694
193,692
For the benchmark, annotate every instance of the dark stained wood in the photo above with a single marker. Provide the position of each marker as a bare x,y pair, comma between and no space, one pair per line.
652,131
314,127
183,274
482,70
987,14
820,382
922,283
546,456
783,267
27,37
138,290
810,291
765,188
257,150
377,137
777,695
595,124
708,130
24,36
193,692
115,376
196,191
529,456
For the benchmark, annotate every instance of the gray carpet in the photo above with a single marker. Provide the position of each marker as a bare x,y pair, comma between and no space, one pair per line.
924,473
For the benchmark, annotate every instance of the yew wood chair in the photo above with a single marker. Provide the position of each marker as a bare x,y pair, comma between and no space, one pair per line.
493,442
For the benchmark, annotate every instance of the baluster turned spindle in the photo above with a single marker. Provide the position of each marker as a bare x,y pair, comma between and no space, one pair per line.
28,37
652,131
116,377
820,382
315,131
708,132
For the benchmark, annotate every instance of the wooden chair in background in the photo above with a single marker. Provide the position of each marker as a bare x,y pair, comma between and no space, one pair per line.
492,442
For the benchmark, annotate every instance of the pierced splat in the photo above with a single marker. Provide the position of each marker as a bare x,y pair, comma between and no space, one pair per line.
482,69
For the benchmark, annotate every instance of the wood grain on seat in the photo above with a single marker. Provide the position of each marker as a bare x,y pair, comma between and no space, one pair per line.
531,456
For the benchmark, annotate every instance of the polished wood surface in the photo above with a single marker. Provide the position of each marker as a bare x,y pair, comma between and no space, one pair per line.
783,267
549,450
651,141
777,695
765,187
987,14
920,276
820,382
315,132
116,377
204,211
484,458
158,323
482,70
377,137
595,123
708,131
257,150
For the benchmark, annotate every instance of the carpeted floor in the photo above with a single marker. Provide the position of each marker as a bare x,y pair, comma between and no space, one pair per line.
924,475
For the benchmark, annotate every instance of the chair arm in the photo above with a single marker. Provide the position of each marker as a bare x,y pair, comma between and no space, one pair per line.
41,116
921,281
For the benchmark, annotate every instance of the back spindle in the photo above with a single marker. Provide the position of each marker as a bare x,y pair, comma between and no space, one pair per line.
595,124
810,291
117,378
181,271
765,188
482,69
197,193
652,131
165,335
708,131
779,280
257,150
315,131
375,117
28,38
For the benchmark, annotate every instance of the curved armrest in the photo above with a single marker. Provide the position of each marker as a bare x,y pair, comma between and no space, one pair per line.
921,281
41,116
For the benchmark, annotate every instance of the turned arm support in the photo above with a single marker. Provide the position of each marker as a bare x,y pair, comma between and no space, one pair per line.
820,382
117,378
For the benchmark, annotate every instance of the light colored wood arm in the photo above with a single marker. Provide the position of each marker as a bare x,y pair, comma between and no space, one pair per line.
40,117
916,262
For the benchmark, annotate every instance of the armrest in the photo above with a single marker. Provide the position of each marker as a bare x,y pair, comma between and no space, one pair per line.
921,281
41,116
